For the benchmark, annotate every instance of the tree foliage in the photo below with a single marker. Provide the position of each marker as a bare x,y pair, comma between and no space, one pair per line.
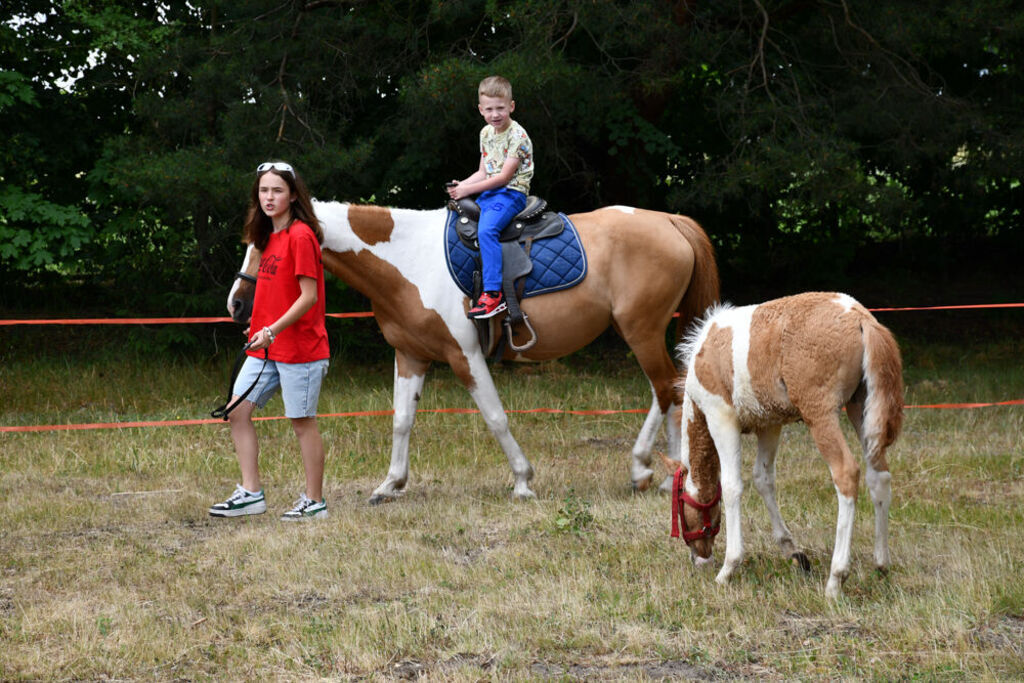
796,131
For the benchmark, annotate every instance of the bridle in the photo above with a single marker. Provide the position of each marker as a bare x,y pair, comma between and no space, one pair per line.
681,497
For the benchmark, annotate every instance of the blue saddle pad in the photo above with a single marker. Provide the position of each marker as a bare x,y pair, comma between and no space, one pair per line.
559,262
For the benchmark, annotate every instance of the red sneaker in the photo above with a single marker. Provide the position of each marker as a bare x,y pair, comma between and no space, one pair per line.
488,305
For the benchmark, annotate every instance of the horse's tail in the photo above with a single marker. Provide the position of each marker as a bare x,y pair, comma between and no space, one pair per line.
883,379
704,289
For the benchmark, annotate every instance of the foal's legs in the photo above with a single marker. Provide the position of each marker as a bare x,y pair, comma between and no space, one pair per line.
764,482
879,483
845,475
725,432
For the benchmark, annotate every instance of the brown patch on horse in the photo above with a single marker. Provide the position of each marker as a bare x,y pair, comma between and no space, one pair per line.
703,446
371,224
713,363
419,332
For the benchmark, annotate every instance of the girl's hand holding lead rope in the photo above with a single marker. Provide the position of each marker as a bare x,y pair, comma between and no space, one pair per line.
262,339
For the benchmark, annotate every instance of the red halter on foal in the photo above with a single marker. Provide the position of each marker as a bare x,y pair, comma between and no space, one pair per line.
679,497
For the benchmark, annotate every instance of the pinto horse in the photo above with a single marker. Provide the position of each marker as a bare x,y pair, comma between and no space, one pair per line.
643,267
756,368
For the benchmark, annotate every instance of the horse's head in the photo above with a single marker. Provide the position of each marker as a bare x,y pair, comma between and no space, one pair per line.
241,295
696,517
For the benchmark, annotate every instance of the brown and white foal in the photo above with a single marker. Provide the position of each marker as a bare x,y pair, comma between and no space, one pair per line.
756,368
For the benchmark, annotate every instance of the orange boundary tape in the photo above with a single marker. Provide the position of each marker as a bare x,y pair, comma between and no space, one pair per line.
368,314
385,413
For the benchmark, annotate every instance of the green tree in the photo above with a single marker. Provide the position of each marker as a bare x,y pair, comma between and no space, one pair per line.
800,133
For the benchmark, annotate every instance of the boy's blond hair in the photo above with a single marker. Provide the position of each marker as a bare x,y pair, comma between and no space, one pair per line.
495,86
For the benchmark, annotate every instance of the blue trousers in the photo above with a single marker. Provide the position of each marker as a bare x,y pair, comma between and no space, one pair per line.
497,209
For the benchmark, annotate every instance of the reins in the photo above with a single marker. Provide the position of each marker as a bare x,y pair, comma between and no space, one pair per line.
679,497
222,411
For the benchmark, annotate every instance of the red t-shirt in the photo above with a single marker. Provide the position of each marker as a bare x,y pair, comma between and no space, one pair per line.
290,253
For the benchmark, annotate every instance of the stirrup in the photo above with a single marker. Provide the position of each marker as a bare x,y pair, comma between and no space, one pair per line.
533,335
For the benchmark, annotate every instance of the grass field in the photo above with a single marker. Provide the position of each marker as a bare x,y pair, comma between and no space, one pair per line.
110,567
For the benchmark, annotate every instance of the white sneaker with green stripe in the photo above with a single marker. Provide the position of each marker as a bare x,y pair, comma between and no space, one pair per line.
304,509
239,503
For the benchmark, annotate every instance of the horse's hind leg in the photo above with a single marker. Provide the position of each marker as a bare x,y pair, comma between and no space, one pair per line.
640,471
845,475
764,482
878,480
651,354
408,387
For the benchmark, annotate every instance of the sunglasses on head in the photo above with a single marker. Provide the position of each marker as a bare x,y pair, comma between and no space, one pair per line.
276,165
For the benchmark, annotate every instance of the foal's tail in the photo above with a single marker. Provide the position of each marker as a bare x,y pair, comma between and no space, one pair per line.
883,377
704,288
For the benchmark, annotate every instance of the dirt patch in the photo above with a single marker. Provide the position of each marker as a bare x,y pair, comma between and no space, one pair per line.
1005,635
600,669
673,670
806,628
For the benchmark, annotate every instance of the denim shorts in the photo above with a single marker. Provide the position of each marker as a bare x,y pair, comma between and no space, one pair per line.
299,384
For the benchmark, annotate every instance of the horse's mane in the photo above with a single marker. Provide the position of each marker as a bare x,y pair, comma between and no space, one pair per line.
695,331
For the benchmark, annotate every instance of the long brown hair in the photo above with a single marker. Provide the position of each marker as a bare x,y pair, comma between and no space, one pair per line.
258,226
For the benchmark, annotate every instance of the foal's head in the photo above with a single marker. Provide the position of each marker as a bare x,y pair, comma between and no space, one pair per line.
700,517
700,513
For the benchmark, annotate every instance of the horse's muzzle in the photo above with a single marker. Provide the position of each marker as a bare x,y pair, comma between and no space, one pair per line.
241,310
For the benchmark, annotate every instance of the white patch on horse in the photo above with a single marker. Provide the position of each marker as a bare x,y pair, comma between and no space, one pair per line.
738,320
414,251
623,209
846,301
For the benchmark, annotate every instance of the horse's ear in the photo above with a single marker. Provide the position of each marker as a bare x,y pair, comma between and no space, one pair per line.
670,464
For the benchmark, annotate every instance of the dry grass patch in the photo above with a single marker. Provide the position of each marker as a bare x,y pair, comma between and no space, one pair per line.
110,568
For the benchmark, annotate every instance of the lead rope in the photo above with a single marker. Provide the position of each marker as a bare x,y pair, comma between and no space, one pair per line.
222,411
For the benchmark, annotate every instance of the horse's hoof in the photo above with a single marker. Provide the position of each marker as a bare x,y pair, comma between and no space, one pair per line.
380,498
800,560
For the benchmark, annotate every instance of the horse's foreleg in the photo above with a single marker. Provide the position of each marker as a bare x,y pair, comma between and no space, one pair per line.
764,482
725,432
485,394
408,387
845,475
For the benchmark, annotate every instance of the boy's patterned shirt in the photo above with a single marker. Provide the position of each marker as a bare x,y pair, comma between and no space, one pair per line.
512,143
